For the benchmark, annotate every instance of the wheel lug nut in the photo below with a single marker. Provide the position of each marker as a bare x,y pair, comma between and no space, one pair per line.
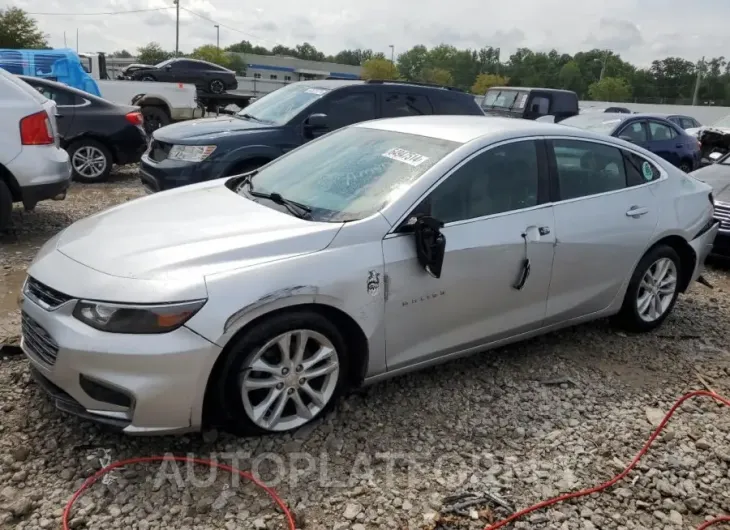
290,391
279,386
300,368
302,381
285,371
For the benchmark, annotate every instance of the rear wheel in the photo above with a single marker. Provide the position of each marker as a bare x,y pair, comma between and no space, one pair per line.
652,291
6,206
91,161
216,86
283,374
685,166
154,118
148,78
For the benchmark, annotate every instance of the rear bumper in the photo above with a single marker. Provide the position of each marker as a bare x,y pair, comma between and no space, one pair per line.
32,195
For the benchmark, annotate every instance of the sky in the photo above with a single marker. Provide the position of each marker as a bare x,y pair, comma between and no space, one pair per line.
639,30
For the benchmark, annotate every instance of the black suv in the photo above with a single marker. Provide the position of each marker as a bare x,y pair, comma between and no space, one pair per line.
209,148
207,77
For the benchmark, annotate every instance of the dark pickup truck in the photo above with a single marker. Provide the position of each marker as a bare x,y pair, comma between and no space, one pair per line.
530,103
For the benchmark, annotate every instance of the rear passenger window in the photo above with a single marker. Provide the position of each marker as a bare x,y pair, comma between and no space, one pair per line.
453,106
660,131
639,170
587,168
395,105
349,109
634,132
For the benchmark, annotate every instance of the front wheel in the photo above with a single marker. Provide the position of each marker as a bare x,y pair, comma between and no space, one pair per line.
216,86
281,375
652,291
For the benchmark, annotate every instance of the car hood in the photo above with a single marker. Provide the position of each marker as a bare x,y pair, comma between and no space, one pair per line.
195,230
717,176
208,128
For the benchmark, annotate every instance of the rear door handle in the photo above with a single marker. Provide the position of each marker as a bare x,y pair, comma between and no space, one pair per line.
544,230
637,211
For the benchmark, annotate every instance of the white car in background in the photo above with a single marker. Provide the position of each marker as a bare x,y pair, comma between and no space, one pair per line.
378,249
33,167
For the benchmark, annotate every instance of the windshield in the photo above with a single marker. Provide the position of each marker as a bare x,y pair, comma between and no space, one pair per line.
352,173
599,122
283,104
163,63
724,122
505,99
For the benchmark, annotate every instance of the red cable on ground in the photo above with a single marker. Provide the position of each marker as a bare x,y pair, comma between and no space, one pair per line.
210,463
622,475
517,515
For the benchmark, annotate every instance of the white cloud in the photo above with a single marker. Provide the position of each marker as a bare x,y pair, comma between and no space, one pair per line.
639,30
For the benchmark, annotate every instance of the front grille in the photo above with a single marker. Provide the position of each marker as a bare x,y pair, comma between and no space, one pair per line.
37,340
159,150
722,214
47,297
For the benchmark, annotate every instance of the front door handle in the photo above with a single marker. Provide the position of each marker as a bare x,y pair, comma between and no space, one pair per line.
544,230
637,211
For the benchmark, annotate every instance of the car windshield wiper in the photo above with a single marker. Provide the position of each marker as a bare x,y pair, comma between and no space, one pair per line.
295,208
251,117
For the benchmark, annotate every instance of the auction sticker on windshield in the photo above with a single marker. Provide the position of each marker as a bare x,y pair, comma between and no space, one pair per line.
405,156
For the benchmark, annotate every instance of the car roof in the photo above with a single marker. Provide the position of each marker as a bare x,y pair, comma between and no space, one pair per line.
54,84
333,84
528,88
465,129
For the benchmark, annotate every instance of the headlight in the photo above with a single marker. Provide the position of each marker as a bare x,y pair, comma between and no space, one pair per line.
137,319
190,153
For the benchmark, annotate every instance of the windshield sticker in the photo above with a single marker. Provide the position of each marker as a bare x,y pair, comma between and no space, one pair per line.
318,91
402,155
647,171
522,101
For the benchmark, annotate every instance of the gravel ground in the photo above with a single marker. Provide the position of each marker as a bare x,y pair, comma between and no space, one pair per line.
553,414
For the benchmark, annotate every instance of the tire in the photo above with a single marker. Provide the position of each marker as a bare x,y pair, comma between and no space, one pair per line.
216,86
245,167
234,407
154,118
6,206
685,166
88,149
631,317
147,78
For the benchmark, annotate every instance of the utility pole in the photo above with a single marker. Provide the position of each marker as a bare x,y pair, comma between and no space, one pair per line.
177,27
392,53
218,36
77,40
64,40
699,79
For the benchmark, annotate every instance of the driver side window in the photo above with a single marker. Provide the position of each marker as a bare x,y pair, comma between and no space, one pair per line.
501,179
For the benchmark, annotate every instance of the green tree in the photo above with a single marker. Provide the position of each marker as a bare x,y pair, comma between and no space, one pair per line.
437,76
412,62
212,54
246,47
571,78
484,82
19,31
152,53
612,89
379,69
121,54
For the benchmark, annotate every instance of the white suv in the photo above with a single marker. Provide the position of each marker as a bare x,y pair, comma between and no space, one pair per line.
33,167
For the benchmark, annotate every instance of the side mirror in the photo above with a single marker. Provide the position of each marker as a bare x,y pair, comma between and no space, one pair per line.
627,138
316,122
430,244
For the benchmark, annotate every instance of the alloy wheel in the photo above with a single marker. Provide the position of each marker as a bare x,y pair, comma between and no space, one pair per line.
217,87
89,162
290,380
656,290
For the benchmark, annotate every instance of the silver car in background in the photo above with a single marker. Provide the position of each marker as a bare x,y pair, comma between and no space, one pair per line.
252,302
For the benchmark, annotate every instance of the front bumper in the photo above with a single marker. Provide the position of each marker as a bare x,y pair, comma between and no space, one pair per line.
150,384
702,245
170,174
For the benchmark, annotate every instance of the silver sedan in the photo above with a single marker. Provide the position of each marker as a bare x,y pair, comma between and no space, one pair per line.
252,302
